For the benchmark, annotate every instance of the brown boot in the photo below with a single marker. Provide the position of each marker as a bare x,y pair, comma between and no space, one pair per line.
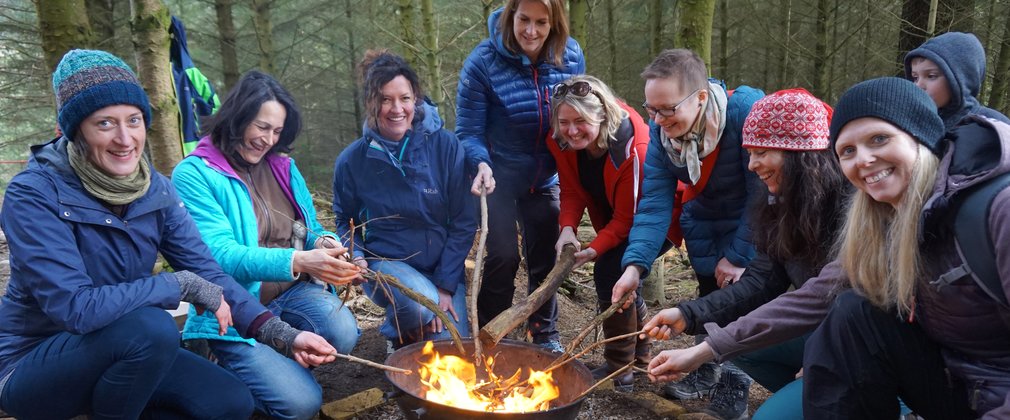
618,353
643,347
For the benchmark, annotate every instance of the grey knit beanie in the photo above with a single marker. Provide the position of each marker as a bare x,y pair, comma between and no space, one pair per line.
895,100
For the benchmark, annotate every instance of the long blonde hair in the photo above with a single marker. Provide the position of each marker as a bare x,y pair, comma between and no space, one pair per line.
879,244
599,107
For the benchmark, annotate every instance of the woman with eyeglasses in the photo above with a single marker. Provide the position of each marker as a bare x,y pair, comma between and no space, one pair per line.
696,141
502,119
599,143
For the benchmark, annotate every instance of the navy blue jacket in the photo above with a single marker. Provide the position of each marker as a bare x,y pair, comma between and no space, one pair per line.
503,107
715,222
416,200
961,58
77,267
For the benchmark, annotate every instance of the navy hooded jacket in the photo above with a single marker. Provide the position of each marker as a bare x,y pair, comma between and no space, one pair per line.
416,200
961,58
503,107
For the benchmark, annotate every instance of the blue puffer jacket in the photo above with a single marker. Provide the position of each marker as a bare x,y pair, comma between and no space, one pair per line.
77,267
715,222
416,200
503,107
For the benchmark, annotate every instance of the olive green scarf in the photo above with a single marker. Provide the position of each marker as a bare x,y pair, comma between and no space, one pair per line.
115,190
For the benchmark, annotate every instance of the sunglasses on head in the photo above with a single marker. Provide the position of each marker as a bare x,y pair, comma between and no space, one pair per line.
578,89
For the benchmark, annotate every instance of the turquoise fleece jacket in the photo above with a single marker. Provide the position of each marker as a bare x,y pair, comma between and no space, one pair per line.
221,206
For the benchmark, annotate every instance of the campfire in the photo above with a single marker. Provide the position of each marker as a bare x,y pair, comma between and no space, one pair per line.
451,380
446,385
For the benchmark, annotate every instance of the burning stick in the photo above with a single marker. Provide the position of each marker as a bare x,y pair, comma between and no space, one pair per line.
421,299
478,270
601,381
562,360
495,330
370,363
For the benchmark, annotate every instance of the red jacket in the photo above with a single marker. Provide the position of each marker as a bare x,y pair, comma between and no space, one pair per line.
622,179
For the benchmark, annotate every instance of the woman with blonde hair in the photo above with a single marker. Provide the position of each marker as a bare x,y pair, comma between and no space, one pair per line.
502,120
599,143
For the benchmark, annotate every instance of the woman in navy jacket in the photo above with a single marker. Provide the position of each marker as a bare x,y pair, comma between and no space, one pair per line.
83,321
502,118
405,179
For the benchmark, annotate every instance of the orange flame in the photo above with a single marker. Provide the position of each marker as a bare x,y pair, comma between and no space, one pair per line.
452,381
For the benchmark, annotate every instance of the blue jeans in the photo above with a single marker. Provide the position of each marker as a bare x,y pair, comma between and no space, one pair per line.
410,316
280,387
130,369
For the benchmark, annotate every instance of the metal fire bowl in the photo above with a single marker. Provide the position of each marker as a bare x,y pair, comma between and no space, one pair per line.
572,379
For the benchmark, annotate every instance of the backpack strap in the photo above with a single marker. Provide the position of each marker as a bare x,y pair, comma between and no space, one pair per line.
971,236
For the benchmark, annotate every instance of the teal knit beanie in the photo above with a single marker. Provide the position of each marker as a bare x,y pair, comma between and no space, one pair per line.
88,80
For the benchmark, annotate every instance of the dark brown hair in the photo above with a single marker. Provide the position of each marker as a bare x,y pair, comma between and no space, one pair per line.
376,69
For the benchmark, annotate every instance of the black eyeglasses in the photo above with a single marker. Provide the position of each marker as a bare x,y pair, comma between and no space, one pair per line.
666,112
578,89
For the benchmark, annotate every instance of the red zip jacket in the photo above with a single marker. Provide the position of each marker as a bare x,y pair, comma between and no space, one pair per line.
623,181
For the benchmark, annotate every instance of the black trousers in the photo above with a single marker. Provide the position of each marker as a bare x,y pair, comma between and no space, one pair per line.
861,359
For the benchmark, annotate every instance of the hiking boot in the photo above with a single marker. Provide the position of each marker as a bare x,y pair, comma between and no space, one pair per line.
697,384
552,344
625,382
729,396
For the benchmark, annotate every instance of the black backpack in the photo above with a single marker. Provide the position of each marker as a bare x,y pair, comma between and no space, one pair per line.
971,236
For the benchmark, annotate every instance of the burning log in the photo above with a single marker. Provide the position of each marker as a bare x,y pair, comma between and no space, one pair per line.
506,321
478,270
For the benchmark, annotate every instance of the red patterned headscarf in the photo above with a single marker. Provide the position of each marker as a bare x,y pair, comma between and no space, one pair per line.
790,119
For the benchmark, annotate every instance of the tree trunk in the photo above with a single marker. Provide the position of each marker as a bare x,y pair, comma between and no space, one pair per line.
100,15
226,42
868,31
151,20
432,60
264,35
655,27
695,24
352,53
785,61
63,26
990,23
822,85
1001,77
405,10
578,14
611,43
724,39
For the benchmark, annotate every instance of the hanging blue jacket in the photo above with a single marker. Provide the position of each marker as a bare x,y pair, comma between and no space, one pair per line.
221,206
715,222
77,267
196,95
416,200
503,107
961,58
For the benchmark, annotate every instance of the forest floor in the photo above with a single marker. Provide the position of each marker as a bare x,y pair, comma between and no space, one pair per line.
342,379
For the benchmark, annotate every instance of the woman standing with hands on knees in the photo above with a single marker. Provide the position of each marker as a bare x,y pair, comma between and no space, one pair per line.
83,321
503,116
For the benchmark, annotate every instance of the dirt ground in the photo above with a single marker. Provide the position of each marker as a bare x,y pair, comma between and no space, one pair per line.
341,379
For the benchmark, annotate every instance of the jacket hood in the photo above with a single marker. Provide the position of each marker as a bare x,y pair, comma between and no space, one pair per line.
179,49
961,58
426,120
52,156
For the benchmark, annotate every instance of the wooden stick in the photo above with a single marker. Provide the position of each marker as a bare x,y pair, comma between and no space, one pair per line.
506,321
475,284
601,381
422,300
563,360
602,316
370,363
